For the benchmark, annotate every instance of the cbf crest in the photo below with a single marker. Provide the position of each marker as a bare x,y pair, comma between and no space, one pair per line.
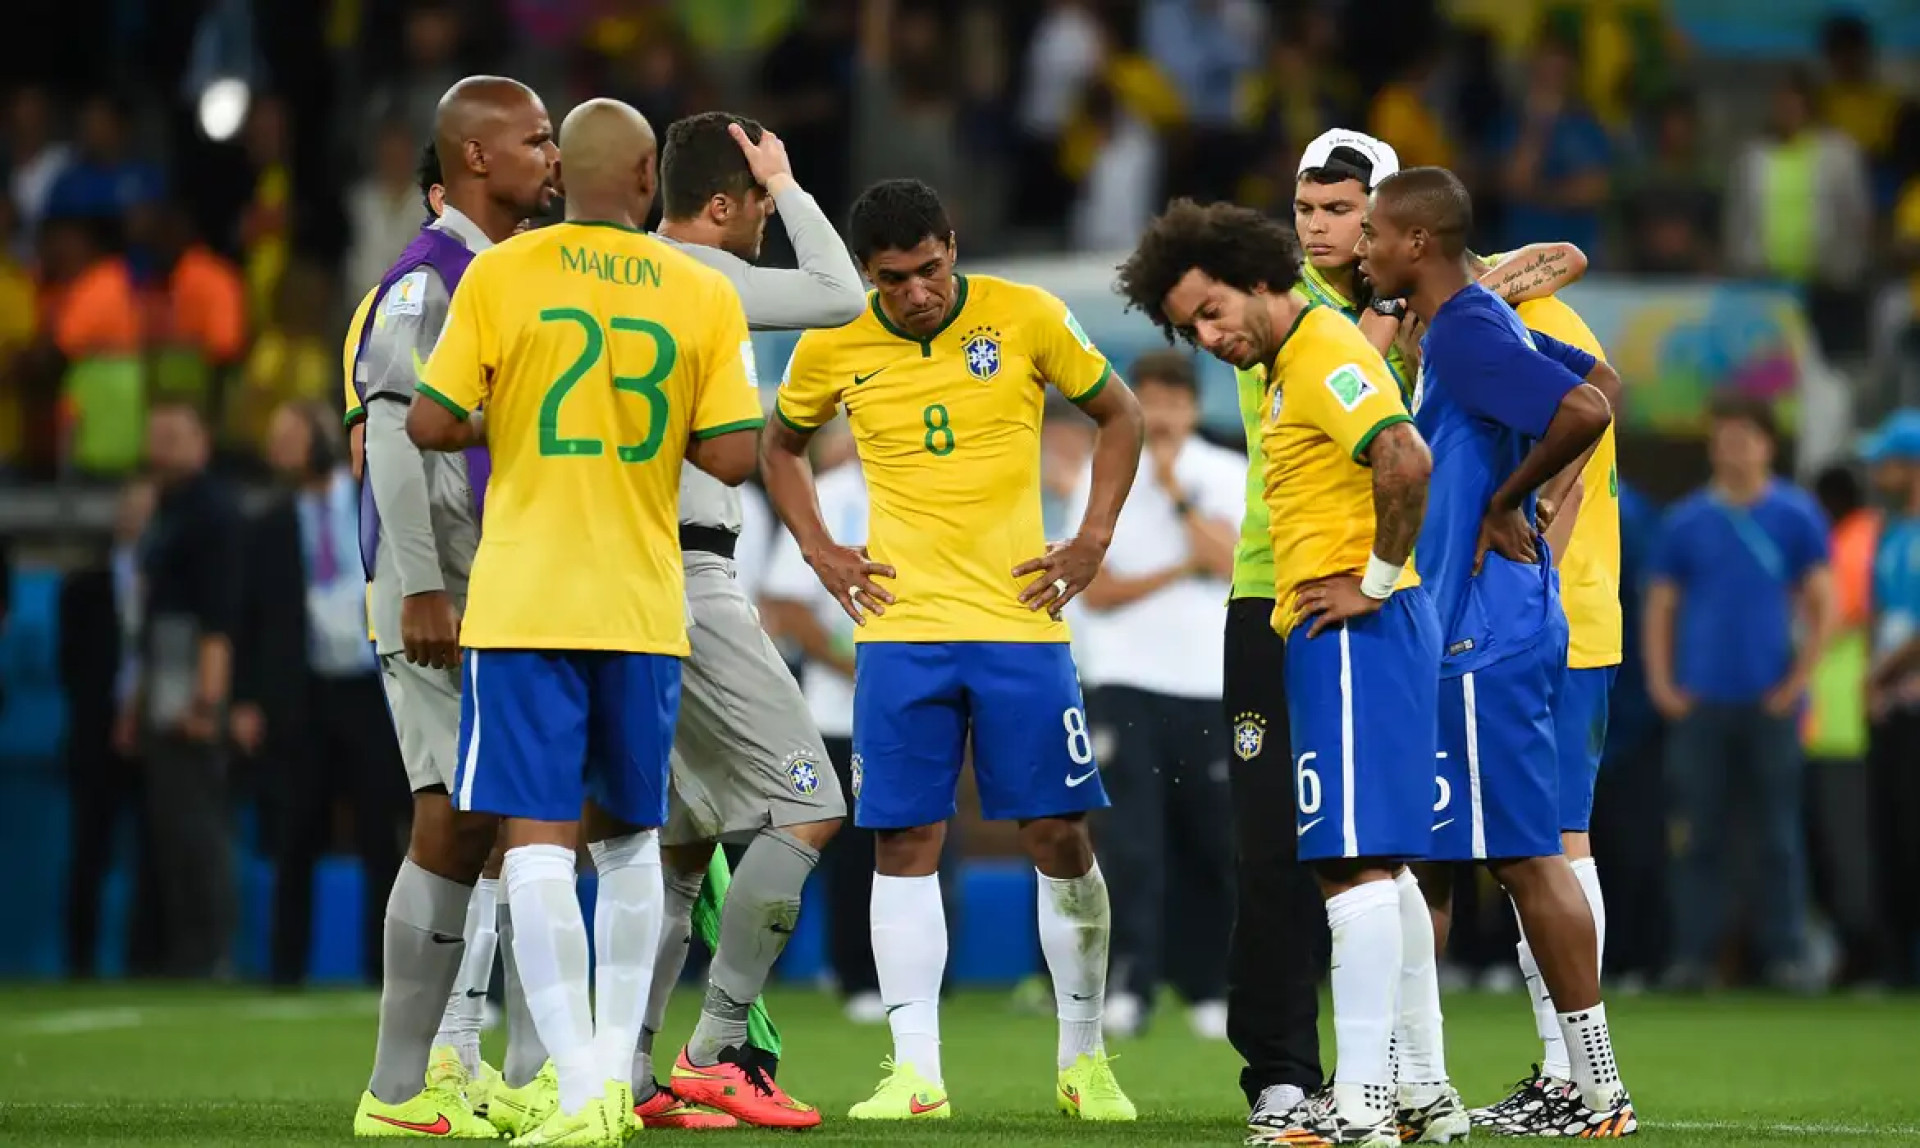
1249,734
803,773
981,346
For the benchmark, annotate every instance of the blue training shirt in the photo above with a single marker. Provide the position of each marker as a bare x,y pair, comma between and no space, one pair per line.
1487,389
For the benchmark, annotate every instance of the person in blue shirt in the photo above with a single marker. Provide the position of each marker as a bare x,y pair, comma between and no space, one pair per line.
1738,610
1510,414
1893,696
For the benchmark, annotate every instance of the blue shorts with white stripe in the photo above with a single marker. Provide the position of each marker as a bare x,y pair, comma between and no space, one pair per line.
1361,705
1500,758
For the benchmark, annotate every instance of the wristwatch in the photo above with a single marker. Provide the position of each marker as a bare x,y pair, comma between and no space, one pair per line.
1391,308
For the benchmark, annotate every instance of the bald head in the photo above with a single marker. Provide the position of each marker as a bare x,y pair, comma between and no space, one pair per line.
607,162
473,109
1429,199
495,146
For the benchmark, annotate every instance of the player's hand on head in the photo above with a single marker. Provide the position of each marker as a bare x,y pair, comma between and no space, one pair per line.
430,630
767,159
1065,570
848,574
1508,533
1330,602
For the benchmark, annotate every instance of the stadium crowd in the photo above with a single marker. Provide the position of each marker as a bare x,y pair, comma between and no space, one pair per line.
162,291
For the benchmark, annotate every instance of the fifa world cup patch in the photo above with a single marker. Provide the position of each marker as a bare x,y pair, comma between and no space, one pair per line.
981,346
803,773
1249,735
1078,332
859,769
1349,385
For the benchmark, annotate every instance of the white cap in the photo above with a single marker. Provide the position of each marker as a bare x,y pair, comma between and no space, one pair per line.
1379,155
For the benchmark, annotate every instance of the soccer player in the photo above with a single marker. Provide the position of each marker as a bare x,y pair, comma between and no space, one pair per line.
419,525
1362,639
602,357
433,197
748,763
1505,411
1583,505
958,608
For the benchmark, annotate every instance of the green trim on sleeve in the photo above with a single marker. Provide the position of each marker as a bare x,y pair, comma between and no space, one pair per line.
729,428
1099,385
353,417
1366,440
443,400
801,428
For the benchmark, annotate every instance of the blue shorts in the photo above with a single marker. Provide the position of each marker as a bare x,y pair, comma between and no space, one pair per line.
1361,709
1580,726
914,703
1499,794
542,732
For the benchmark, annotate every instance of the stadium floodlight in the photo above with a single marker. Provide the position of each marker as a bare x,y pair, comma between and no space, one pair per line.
223,107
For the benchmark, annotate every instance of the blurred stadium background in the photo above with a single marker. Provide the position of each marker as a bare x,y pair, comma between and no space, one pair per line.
197,191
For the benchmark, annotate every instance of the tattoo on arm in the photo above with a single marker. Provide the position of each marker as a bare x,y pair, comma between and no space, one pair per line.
1401,465
1517,278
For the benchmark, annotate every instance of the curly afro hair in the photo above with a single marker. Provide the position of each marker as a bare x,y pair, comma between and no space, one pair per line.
1235,245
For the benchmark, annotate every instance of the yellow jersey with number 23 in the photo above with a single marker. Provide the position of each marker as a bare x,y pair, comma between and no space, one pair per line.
597,351
948,432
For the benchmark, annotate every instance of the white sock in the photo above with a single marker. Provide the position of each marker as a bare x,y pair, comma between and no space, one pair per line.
467,1003
550,949
1589,876
676,937
1594,1072
626,939
1075,927
1546,1020
1366,987
910,955
1421,1068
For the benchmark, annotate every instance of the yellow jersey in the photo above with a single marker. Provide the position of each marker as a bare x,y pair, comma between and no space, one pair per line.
1331,394
597,352
356,328
1590,569
948,432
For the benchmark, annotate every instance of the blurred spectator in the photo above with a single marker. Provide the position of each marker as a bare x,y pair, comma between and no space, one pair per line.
1065,54
806,89
904,102
99,638
94,327
1555,159
1300,94
1835,731
1798,209
383,208
266,226
1211,51
294,357
104,180
18,322
1894,695
1402,114
430,63
1121,189
308,705
196,311
1153,623
35,158
1669,201
1902,309
1737,615
655,69
1853,98
1628,52
190,579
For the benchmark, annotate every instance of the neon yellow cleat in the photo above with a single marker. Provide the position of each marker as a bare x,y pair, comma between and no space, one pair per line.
606,1121
481,1088
903,1095
432,1114
518,1111
446,1071
1088,1090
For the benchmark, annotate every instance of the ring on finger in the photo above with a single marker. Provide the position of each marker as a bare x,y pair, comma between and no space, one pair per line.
1060,586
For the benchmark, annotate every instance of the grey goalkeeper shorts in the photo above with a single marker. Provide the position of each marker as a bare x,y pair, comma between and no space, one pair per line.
425,704
746,755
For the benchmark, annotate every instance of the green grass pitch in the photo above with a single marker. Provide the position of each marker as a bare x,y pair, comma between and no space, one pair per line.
139,1065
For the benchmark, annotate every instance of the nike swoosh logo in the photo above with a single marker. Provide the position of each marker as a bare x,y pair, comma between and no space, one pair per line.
443,939
1074,781
1309,825
779,928
857,380
1081,996
919,1107
894,1008
472,993
1439,825
439,1127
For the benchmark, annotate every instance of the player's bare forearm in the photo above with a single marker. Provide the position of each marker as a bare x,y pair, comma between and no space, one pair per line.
1583,417
432,426
795,620
1380,330
1401,465
1110,591
728,457
1212,542
1656,633
789,478
1535,271
357,449
1121,433
1559,533
1606,380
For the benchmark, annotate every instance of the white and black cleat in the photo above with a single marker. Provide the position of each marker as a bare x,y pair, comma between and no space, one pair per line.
1442,1120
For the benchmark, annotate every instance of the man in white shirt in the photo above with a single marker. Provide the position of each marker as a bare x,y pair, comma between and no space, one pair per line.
1151,632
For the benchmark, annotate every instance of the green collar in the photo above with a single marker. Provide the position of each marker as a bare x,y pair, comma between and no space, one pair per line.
1322,291
926,344
602,223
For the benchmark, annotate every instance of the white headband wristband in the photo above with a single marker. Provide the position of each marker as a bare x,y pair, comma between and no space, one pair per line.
1381,577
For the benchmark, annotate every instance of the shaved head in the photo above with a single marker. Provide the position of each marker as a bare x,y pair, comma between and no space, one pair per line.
607,154
1431,199
1415,233
495,146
